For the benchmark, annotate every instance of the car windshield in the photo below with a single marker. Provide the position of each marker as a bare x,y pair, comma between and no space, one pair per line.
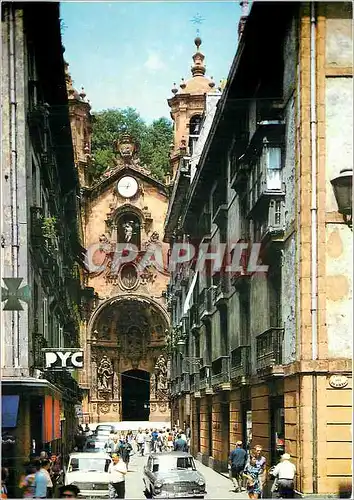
89,464
181,463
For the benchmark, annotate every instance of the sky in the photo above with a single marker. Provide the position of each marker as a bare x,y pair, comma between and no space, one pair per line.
131,53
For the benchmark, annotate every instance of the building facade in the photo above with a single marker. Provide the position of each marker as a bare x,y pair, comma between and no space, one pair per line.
124,328
40,237
264,354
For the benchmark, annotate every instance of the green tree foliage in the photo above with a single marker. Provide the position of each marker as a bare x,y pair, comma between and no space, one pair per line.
153,141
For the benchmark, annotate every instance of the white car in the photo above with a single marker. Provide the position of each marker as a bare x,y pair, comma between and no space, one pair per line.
89,472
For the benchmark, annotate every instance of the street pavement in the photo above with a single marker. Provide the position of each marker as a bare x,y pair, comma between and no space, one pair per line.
218,486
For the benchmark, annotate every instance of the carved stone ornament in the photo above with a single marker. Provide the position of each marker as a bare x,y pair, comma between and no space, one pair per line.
104,407
126,146
153,407
104,375
128,276
162,407
115,407
161,378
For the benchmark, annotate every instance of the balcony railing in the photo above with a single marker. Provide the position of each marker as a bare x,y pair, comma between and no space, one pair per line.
274,225
240,363
206,303
220,371
185,382
221,288
269,348
205,377
195,382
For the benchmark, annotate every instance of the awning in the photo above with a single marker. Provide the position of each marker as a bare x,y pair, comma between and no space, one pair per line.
186,305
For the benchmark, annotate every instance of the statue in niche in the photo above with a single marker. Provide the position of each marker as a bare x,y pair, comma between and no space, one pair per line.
161,373
105,373
128,231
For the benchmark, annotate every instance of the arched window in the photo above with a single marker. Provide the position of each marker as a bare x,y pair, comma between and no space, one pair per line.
129,229
194,131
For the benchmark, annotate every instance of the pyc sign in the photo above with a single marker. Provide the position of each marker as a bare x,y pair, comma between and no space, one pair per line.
63,359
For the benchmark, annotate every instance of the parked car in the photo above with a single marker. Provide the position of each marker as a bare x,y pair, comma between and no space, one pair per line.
95,444
89,472
173,475
106,428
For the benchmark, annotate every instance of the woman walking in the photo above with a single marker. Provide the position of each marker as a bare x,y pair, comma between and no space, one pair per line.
252,473
27,484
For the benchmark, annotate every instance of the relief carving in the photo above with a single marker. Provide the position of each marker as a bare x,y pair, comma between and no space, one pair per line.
105,373
153,407
104,407
161,378
162,407
152,386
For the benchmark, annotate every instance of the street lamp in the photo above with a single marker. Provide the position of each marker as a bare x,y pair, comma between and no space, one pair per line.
342,187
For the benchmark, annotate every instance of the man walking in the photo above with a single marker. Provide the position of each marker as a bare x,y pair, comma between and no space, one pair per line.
237,461
180,444
140,440
117,471
284,472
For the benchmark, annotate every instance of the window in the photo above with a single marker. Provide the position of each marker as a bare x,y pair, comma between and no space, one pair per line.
273,167
194,132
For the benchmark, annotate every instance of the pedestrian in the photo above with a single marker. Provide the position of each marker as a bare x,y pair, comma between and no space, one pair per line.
4,478
237,462
154,437
147,442
27,483
170,442
126,451
117,471
180,444
261,462
69,491
284,473
43,483
252,473
140,440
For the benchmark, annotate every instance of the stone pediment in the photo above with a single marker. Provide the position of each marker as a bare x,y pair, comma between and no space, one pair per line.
110,177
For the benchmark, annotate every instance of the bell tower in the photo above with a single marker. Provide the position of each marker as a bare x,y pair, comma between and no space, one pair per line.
81,127
187,108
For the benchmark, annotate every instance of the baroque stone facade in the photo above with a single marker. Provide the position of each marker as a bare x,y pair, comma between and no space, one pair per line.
125,375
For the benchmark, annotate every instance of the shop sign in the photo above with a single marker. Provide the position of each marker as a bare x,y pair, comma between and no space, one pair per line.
338,381
63,359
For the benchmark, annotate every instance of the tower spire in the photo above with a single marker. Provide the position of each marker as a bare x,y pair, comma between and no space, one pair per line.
198,68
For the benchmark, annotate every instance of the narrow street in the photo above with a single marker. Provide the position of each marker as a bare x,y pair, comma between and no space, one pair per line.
218,486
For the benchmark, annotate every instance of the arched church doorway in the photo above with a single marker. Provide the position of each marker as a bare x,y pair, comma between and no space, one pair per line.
128,372
135,395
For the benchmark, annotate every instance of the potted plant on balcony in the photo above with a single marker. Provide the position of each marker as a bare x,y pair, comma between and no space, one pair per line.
49,228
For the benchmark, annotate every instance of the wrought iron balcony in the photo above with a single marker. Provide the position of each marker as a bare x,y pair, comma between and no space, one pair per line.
269,349
240,363
195,382
185,382
220,371
273,225
221,288
205,377
206,303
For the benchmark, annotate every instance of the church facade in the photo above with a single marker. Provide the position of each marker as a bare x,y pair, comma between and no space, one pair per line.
124,327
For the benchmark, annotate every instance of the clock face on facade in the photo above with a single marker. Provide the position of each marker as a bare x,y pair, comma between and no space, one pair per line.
127,187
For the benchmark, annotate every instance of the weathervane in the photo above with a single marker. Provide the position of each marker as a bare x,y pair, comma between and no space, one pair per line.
197,20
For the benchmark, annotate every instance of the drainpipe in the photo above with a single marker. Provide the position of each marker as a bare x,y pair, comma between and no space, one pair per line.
13,178
314,282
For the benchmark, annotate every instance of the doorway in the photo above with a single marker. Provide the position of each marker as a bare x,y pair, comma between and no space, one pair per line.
225,430
277,428
135,395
